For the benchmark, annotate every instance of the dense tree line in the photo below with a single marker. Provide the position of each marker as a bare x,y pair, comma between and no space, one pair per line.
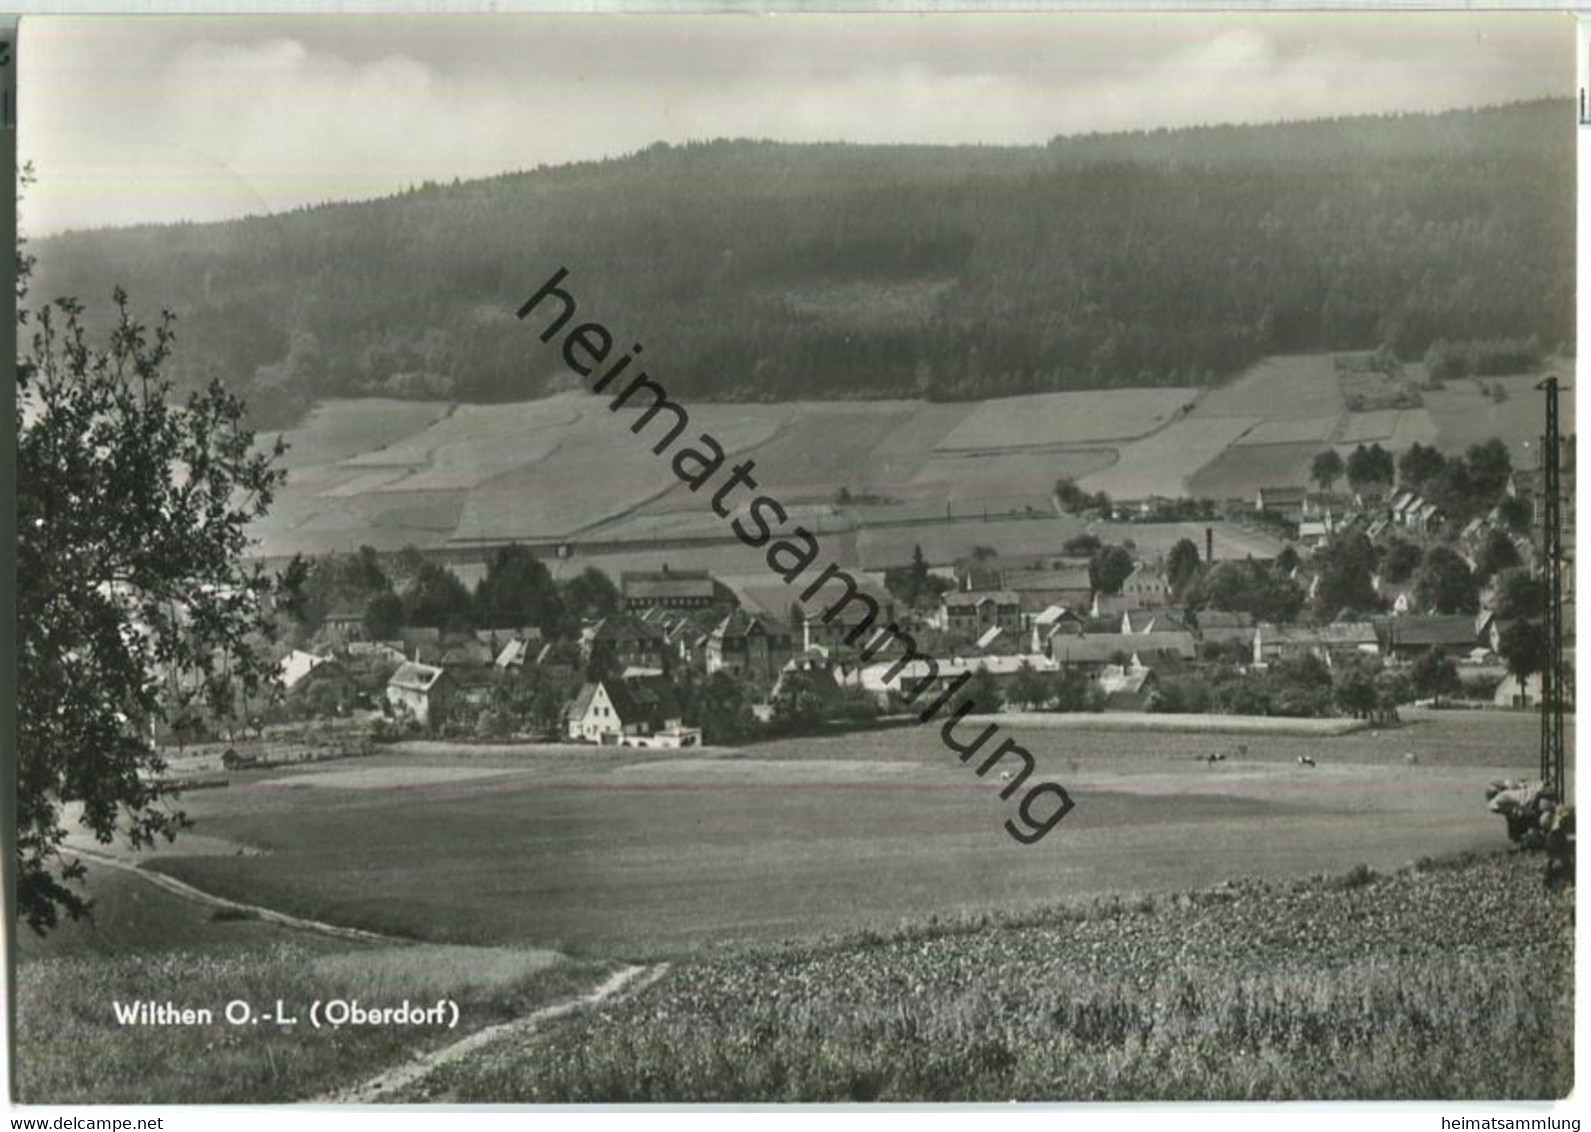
772,271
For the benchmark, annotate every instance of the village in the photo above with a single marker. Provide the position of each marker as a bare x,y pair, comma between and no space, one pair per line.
1377,598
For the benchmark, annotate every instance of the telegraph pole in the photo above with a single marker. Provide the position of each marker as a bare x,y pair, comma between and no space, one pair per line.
1552,671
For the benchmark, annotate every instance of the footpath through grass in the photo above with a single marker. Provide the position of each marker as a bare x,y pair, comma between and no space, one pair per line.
1442,982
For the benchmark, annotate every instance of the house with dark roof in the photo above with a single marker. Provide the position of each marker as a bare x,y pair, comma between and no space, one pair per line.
667,589
636,711
1409,637
1037,590
1284,502
1149,585
1094,651
1334,643
423,692
626,641
748,645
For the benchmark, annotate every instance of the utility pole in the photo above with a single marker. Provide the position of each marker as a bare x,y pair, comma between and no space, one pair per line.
1552,672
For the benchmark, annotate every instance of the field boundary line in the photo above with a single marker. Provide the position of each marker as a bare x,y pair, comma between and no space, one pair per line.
626,981
269,915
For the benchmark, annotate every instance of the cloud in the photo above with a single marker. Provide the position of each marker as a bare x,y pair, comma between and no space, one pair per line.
137,120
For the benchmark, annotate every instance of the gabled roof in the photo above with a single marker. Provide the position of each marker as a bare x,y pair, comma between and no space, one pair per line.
957,599
1282,496
416,677
619,629
1061,578
740,625
298,664
1101,648
1420,630
667,584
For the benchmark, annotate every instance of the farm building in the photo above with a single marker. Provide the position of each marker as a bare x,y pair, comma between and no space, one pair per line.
423,692
1285,502
667,589
1037,590
1152,621
1410,637
632,712
297,665
975,613
1096,651
1511,694
746,644
1332,643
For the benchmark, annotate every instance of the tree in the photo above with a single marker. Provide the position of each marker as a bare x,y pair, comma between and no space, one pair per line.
1444,583
1109,569
132,505
1517,595
518,590
1031,688
1346,565
384,617
1287,559
1516,514
591,593
1489,468
1183,565
1419,466
1081,546
436,599
1497,553
1354,687
1523,646
1369,466
720,707
796,706
1326,469
1402,559
983,692
1434,676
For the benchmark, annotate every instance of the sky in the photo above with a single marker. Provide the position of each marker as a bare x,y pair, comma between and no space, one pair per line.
132,120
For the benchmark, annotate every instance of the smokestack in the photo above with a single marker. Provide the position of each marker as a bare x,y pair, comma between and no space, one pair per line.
1209,544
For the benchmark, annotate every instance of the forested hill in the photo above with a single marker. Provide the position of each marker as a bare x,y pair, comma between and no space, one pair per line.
757,270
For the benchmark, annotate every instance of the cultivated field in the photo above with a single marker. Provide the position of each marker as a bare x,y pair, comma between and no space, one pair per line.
390,473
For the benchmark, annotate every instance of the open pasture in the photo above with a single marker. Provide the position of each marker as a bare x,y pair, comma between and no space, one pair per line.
1464,415
630,853
1043,419
1238,473
1160,464
1280,388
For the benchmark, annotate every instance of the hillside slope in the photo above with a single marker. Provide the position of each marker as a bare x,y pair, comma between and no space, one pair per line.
756,270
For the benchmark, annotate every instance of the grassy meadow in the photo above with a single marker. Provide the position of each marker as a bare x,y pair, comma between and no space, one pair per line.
847,920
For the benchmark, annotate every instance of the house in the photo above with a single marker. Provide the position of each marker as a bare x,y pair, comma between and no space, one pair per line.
423,692
559,659
1511,694
516,652
1313,532
293,668
748,645
1038,589
1149,585
1334,643
1284,502
630,712
1407,638
822,680
306,674
1399,596
1152,620
1127,687
977,612
667,589
882,678
343,624
626,641
1095,651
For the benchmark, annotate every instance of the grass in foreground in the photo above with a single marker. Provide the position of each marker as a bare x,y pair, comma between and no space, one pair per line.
71,1048
1435,983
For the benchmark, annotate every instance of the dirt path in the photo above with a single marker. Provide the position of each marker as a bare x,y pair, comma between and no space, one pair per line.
269,915
624,982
